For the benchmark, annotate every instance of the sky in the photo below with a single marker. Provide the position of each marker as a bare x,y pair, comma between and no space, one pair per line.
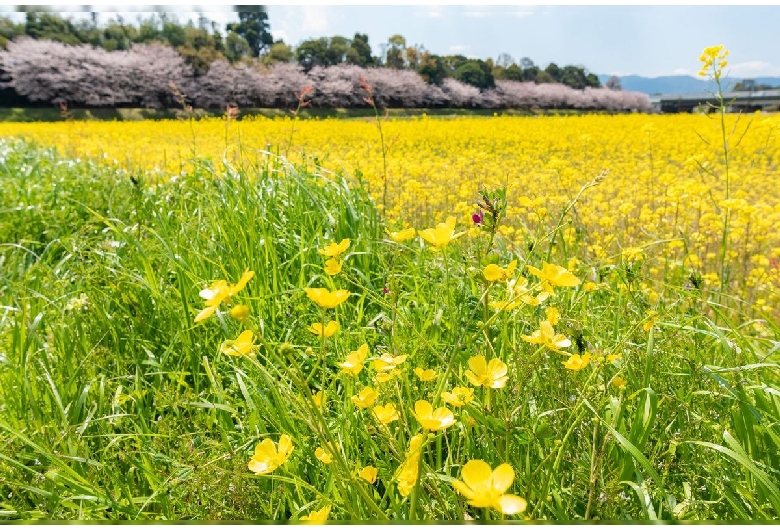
621,40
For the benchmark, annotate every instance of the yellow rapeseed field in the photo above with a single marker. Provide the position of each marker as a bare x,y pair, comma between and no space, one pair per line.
663,195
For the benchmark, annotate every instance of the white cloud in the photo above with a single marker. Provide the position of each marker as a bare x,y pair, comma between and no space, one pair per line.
522,14
682,71
428,14
752,69
477,14
458,48
315,19
280,34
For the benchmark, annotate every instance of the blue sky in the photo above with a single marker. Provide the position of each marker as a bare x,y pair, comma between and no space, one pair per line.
644,40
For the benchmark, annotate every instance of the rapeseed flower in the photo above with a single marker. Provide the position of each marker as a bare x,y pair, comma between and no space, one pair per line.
458,397
268,456
485,487
546,336
353,364
488,374
433,420
365,398
334,250
368,474
242,345
327,299
442,235
328,331
218,292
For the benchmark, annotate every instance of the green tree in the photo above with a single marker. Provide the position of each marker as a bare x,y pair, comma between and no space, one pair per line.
554,71
253,26
432,69
338,47
475,72
236,47
511,73
395,52
9,30
313,52
359,52
279,53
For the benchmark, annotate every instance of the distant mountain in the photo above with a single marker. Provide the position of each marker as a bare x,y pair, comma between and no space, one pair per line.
679,84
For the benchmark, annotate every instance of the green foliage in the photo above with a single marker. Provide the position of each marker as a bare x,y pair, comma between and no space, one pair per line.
476,73
253,27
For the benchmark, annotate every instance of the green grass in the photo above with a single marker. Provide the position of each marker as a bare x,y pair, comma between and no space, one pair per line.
54,114
114,404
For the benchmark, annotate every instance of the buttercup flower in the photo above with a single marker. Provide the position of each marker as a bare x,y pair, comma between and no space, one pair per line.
434,420
325,298
442,235
242,345
219,292
240,312
332,266
546,335
365,398
318,398
401,235
323,456
387,362
408,471
386,413
458,397
554,276
553,316
353,364
425,375
485,487
368,474
317,517
576,362
330,329
335,250
488,374
268,456
494,273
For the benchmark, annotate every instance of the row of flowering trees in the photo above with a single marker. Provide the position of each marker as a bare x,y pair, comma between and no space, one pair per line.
84,76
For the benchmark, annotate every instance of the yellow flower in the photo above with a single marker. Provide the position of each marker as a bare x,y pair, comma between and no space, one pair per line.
612,357
325,298
552,314
318,516
576,362
425,375
386,413
546,335
408,471
218,292
318,398
323,456
632,254
519,293
401,235
485,487
365,398
434,420
618,382
384,377
488,374
353,364
458,397
441,235
335,250
387,362
268,456
590,287
368,474
330,329
242,345
554,275
240,312
333,267
494,273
